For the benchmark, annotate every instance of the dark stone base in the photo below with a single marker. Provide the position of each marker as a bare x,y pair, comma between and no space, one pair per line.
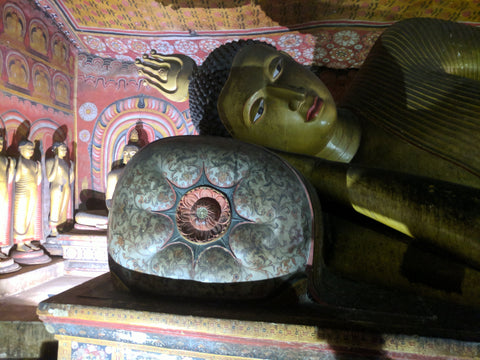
98,319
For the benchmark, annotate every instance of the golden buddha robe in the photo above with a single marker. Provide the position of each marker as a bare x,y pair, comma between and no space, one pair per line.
421,83
60,177
27,210
5,202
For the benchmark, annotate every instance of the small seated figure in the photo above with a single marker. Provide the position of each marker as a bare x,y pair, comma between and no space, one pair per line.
17,74
38,40
60,176
97,220
41,83
14,25
62,91
112,178
59,51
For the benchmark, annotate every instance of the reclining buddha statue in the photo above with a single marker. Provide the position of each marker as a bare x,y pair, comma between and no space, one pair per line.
395,165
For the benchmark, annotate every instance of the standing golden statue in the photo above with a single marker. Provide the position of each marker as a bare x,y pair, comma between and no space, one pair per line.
7,172
60,175
94,220
27,197
27,214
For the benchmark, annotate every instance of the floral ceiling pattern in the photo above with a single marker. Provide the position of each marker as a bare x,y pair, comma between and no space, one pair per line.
335,33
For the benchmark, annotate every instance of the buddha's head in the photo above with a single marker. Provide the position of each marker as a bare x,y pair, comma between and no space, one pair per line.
26,149
207,83
60,149
128,152
269,99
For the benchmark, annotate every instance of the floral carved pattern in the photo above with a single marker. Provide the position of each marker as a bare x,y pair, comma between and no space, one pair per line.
217,211
203,215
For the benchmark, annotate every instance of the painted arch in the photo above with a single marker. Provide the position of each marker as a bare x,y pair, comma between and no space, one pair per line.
157,118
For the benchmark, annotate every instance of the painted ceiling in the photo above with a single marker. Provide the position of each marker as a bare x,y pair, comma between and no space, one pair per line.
126,29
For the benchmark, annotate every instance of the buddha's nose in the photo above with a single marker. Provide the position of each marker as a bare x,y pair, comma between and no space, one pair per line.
294,95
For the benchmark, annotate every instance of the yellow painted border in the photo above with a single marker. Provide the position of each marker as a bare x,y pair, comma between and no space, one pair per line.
259,331
119,349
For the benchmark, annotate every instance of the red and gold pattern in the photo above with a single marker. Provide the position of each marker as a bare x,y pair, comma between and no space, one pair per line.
36,59
203,215
150,17
333,33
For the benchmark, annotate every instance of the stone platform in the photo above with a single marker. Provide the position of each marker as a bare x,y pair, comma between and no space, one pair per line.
84,251
30,276
23,335
95,320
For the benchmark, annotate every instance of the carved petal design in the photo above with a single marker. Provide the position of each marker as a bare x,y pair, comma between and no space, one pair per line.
203,215
211,210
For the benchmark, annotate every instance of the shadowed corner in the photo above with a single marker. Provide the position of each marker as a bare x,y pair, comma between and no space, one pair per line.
49,350
349,345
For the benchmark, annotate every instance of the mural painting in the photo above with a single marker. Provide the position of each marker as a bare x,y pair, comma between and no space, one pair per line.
36,113
331,33
105,123
62,90
14,22
59,49
18,72
38,38
41,81
36,57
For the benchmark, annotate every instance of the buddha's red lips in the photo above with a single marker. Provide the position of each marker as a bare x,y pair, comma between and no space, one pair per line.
314,109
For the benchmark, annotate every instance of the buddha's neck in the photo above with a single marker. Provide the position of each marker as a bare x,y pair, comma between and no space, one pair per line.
345,138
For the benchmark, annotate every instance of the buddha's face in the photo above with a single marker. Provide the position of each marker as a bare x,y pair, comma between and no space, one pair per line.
26,150
271,100
128,153
62,151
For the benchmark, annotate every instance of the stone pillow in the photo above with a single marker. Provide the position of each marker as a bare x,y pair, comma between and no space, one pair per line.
211,217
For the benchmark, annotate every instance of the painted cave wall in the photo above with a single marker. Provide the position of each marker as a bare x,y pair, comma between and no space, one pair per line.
36,79
49,92
111,102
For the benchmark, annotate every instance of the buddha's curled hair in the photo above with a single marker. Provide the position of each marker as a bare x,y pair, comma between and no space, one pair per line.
207,83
